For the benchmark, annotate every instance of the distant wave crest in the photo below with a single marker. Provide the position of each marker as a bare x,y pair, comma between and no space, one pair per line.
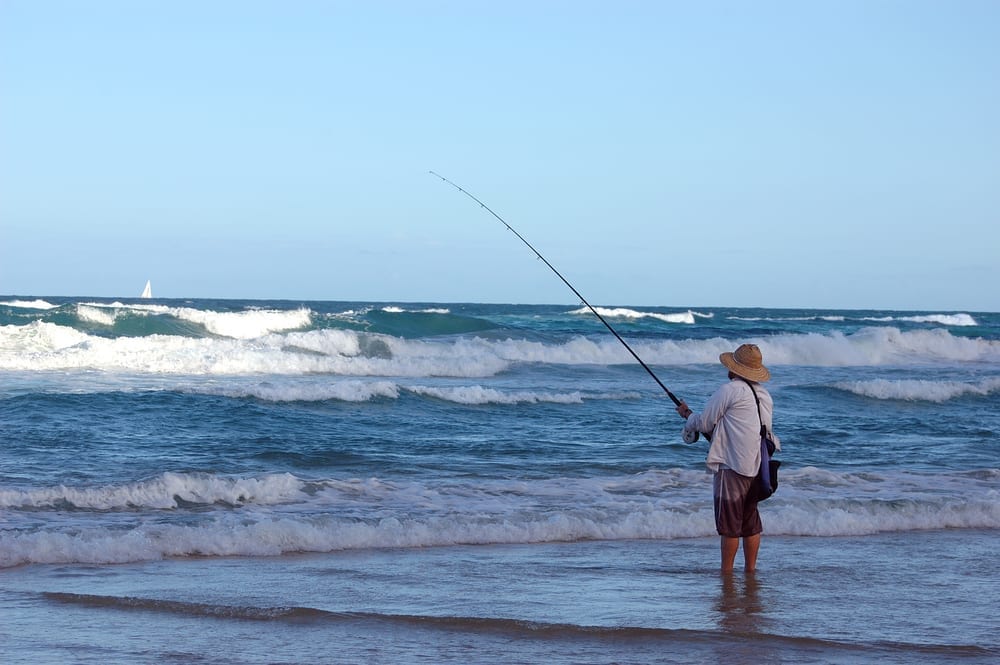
952,320
919,390
363,391
957,320
29,304
687,317
482,395
288,391
247,324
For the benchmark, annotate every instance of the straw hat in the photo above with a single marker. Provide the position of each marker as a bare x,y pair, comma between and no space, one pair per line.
747,362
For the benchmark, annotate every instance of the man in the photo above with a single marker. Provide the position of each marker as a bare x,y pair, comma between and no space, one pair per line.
731,420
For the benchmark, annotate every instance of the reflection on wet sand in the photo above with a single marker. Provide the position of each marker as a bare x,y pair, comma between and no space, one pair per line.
739,606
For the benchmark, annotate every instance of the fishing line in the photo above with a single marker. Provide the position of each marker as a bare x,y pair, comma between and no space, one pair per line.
566,282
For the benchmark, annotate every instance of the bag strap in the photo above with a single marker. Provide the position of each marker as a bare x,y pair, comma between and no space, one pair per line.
763,430
764,436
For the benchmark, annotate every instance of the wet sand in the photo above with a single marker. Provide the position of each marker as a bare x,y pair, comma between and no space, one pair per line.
897,598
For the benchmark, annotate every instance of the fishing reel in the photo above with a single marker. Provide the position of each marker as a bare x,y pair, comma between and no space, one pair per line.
689,435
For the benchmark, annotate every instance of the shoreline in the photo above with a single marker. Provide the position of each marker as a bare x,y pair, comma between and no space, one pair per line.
812,599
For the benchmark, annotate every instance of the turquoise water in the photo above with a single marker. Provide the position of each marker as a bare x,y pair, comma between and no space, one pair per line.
438,481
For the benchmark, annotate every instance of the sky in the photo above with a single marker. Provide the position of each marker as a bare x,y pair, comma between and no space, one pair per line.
821,154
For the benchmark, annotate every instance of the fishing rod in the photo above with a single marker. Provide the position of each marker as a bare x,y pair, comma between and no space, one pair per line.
566,282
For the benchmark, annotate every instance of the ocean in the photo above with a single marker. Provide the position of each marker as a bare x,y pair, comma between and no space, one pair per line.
221,481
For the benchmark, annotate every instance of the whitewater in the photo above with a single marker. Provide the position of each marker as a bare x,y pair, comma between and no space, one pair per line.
170,462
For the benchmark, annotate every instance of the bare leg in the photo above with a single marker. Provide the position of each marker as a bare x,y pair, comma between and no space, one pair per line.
729,547
751,545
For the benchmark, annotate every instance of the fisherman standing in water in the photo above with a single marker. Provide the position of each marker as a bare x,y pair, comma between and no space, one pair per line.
731,420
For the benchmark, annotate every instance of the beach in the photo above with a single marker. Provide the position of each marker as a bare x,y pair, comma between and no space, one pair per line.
819,600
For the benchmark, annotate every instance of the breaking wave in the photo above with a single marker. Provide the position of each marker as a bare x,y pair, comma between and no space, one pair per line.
950,320
687,317
167,491
29,304
916,390
42,346
247,324
280,513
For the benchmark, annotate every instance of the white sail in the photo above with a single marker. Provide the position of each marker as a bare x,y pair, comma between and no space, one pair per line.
148,291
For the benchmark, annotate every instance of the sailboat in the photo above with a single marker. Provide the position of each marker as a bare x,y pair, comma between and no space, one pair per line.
148,291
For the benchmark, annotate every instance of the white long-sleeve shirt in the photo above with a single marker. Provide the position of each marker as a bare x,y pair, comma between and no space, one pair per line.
730,417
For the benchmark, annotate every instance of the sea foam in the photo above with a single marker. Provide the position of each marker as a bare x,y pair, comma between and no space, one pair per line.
167,491
957,320
483,395
279,513
288,391
247,324
687,317
919,390
960,319
29,304
48,346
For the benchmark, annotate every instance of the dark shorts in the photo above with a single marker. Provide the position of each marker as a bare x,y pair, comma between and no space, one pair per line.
736,513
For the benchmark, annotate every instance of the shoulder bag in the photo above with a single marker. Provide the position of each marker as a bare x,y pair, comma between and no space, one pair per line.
767,477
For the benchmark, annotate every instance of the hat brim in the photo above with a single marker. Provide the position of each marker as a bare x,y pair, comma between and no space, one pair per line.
758,374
